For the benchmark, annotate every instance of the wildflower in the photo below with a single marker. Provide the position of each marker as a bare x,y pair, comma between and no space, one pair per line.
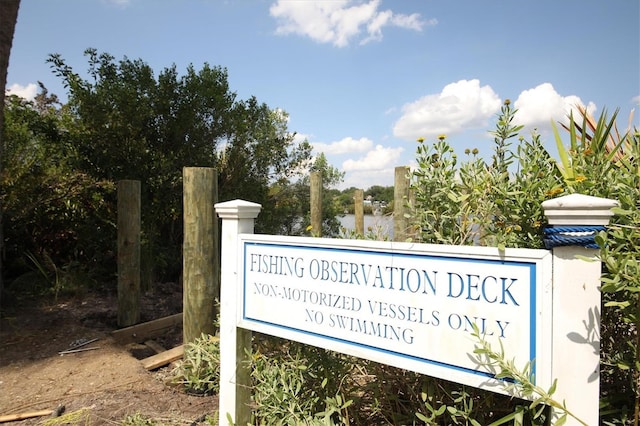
507,102
475,151
467,151
420,140
580,178
555,191
442,137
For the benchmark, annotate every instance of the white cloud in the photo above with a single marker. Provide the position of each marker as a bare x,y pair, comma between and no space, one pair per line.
460,106
339,21
344,146
28,92
378,158
635,100
537,107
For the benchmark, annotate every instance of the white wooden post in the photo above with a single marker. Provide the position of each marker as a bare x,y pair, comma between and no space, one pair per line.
235,393
576,307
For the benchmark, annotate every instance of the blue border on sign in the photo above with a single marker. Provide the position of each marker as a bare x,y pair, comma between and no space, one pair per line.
532,301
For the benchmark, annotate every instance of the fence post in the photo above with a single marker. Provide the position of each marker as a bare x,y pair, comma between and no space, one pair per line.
400,199
316,203
199,252
235,393
128,252
359,211
574,220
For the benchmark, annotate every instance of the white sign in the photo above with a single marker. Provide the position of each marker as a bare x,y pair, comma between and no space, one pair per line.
403,304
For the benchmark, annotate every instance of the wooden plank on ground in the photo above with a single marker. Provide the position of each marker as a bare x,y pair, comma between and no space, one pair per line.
164,358
147,330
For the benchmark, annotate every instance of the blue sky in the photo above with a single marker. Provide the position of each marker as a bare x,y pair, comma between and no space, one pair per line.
361,80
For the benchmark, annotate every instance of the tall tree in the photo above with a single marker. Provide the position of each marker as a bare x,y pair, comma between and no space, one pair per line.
8,20
131,124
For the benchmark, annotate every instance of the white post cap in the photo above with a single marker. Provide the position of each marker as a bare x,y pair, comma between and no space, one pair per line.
238,209
579,209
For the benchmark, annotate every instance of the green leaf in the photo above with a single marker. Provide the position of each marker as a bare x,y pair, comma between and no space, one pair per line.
422,417
566,169
516,416
561,420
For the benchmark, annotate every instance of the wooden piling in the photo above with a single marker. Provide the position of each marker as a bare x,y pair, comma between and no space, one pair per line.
201,279
400,204
316,203
128,252
359,211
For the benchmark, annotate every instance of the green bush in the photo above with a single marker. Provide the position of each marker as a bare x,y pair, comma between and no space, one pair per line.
473,202
498,203
199,371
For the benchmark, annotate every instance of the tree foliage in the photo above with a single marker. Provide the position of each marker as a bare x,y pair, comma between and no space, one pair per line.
55,215
293,199
8,19
122,121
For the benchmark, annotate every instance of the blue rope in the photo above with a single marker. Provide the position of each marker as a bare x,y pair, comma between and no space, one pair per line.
571,236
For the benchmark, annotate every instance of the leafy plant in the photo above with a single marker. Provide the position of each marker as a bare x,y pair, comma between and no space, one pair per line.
478,203
499,204
519,383
298,384
603,162
199,371
138,420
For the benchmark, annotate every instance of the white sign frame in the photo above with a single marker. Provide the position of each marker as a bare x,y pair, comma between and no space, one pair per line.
263,308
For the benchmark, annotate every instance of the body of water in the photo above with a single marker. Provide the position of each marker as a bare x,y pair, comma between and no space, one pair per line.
377,225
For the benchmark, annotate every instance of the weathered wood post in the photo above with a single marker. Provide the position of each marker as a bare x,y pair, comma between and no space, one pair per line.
316,203
128,252
400,200
359,211
235,391
200,252
576,301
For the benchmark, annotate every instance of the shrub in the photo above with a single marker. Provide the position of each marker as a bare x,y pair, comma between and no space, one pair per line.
498,203
199,371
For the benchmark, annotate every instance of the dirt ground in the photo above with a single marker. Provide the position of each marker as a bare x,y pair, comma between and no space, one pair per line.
100,386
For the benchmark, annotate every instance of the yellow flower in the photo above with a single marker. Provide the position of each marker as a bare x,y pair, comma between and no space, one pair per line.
442,137
580,178
555,191
420,140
